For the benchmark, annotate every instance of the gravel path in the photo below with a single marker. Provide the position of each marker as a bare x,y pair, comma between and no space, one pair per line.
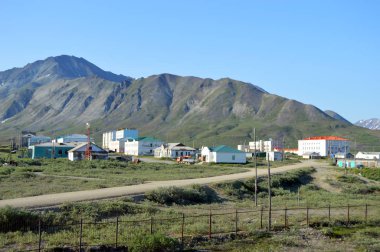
97,194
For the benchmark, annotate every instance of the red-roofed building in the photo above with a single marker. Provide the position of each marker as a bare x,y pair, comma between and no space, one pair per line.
324,145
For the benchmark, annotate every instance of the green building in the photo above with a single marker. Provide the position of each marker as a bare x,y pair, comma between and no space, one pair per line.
51,150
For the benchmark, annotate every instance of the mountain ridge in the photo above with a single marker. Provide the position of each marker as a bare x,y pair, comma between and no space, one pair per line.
372,124
168,106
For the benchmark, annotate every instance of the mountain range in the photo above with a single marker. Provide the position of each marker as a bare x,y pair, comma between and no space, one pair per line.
373,124
60,94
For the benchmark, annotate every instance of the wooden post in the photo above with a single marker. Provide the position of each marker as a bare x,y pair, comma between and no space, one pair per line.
117,231
261,217
298,197
307,216
151,225
270,198
39,235
366,213
254,139
182,231
348,214
329,215
236,222
80,235
286,217
210,225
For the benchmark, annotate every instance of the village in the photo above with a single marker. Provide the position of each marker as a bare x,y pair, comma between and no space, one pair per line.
126,144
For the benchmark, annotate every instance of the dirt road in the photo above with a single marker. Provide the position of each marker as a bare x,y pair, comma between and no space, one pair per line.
59,198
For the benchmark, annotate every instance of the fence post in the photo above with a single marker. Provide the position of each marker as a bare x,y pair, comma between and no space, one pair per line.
236,222
286,218
182,231
80,235
307,215
366,213
117,230
329,215
39,235
348,214
261,217
151,225
210,225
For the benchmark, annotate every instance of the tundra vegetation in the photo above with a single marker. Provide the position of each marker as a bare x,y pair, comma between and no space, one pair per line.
155,223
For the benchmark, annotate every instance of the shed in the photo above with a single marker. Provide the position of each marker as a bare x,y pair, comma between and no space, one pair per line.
78,153
223,154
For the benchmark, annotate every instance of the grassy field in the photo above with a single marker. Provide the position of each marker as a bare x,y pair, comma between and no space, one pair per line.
162,212
36,177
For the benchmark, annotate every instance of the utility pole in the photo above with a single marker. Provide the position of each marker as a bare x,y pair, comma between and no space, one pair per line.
254,139
88,147
270,198
283,149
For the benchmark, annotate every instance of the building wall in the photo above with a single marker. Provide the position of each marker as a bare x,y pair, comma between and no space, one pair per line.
262,146
368,156
323,147
232,158
274,156
46,151
114,136
137,148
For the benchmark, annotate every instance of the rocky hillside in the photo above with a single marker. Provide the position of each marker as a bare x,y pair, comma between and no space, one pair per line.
62,93
337,116
373,124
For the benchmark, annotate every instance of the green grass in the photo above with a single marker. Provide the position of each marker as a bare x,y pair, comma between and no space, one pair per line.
370,173
36,177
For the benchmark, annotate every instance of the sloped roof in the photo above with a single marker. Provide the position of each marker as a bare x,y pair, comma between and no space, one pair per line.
224,149
82,147
70,144
326,138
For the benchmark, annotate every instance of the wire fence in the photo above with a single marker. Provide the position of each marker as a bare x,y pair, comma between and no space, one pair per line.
120,231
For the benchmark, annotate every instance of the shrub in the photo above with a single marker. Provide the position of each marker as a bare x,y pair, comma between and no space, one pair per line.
183,196
153,243
12,219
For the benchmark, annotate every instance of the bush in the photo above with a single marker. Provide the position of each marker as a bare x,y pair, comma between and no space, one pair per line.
183,196
153,243
12,219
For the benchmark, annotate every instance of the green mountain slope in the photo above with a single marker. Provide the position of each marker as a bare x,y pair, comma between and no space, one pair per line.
169,107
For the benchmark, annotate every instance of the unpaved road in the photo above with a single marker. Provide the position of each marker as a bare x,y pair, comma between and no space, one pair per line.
59,198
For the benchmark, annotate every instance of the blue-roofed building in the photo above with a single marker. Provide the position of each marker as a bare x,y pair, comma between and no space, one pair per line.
223,154
73,138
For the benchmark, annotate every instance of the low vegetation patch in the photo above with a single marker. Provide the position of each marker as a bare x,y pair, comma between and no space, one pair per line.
196,194
369,173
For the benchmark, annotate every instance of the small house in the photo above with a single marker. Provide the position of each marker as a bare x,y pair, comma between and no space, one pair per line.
274,156
311,155
368,155
79,152
173,150
223,154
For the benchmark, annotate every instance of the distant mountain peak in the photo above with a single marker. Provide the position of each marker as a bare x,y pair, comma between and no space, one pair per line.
373,123
337,116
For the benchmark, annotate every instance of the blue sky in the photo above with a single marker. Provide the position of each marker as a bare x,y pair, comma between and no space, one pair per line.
324,52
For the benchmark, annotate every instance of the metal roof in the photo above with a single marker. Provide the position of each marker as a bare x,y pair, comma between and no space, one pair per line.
326,138
224,149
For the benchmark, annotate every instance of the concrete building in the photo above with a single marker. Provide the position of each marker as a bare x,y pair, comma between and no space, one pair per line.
173,150
262,146
33,140
73,138
325,146
274,156
51,150
368,155
311,155
223,154
141,146
79,152
115,140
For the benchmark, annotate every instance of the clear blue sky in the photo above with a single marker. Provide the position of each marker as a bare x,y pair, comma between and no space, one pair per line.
323,52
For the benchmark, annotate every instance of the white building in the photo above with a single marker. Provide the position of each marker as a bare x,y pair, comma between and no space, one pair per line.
274,156
223,154
323,145
368,155
173,150
115,140
79,152
73,138
141,146
262,146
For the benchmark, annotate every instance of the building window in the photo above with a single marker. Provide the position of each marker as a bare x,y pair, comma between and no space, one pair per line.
60,152
233,157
